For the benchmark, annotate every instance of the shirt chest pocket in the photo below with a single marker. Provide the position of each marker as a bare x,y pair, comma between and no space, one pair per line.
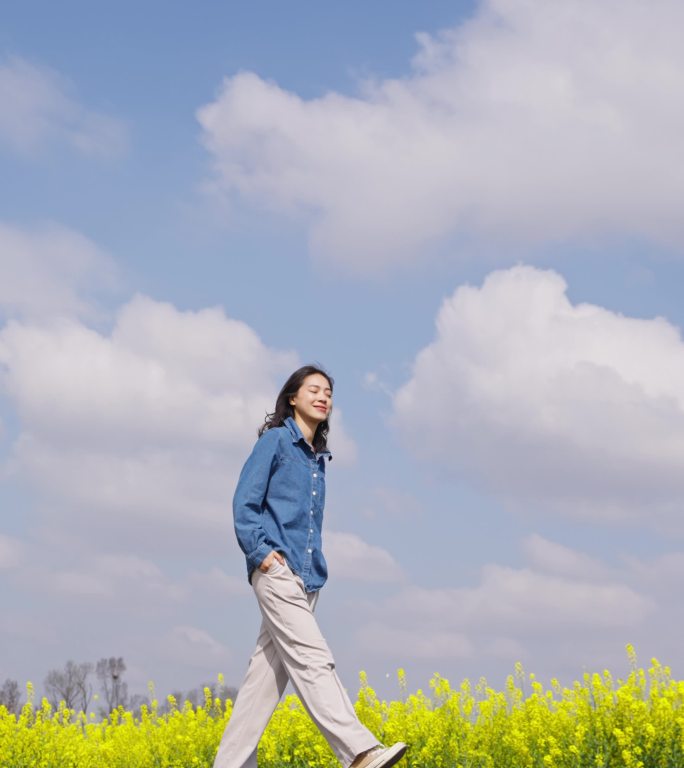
298,488
291,486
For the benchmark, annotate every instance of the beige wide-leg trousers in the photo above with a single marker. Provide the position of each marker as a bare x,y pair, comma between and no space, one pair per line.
290,646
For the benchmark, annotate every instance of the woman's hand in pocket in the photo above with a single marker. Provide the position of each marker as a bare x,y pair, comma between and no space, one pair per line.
268,560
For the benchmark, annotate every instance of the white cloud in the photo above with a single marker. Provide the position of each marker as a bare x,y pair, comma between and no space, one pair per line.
373,382
217,582
557,559
162,376
11,552
662,574
529,614
414,643
144,426
522,600
549,404
350,557
194,648
37,108
48,271
557,624
528,123
114,578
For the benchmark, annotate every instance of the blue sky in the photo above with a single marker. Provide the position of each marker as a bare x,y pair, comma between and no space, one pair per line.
468,212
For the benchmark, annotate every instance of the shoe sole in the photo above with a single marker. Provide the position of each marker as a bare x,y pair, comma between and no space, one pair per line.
385,760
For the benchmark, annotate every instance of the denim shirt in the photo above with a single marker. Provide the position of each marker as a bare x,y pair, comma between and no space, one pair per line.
278,503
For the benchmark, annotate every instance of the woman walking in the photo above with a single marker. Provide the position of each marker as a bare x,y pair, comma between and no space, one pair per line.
278,515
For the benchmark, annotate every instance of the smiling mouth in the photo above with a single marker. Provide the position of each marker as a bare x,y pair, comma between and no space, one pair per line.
320,408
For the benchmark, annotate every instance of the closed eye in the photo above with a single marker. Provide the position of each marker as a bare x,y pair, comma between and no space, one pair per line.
315,388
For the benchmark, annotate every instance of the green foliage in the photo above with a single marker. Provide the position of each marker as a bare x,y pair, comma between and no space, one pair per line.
597,723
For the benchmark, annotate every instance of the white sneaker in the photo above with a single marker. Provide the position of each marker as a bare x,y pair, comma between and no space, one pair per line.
380,756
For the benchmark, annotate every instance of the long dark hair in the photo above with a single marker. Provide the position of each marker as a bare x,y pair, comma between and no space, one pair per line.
283,409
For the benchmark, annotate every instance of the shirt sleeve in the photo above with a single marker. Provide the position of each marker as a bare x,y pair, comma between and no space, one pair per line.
249,496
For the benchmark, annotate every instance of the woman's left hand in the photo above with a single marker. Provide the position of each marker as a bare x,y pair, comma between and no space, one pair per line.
268,561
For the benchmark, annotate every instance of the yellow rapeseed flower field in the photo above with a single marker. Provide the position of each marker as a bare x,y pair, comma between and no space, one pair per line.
597,723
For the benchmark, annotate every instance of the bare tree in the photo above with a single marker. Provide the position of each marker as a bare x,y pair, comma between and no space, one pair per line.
164,706
136,702
70,686
226,692
196,695
110,673
10,696
85,689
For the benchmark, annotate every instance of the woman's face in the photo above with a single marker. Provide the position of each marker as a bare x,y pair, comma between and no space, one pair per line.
313,400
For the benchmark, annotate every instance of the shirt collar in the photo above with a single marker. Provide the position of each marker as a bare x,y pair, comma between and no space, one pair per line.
297,435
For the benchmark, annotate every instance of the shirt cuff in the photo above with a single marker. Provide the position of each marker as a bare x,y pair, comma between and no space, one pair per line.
256,558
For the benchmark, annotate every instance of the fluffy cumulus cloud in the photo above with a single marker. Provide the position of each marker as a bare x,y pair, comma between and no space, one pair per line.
517,599
145,425
553,619
560,560
550,404
217,583
413,643
116,581
38,108
50,270
193,647
530,122
350,557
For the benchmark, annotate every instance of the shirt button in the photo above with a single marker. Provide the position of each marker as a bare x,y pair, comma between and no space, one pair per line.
312,511
315,475
310,551
310,530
